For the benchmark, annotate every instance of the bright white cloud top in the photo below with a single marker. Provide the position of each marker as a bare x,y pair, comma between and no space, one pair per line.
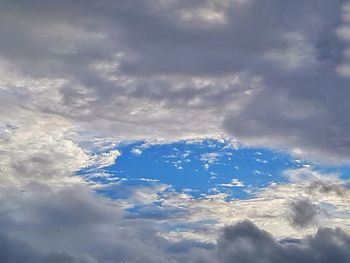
148,130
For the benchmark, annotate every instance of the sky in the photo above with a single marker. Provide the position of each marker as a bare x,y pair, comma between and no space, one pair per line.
174,131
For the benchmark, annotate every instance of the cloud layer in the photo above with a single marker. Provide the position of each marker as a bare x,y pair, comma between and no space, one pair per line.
265,72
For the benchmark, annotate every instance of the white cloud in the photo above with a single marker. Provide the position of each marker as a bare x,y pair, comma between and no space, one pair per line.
105,159
36,149
234,183
307,175
136,151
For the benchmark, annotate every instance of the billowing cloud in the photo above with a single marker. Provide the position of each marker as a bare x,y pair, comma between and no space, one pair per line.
94,229
71,224
244,242
160,69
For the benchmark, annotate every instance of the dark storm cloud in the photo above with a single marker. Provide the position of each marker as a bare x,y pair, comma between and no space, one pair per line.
14,251
72,225
244,242
145,31
161,46
303,213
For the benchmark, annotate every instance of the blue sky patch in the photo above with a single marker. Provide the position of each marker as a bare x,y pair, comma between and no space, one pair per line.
196,168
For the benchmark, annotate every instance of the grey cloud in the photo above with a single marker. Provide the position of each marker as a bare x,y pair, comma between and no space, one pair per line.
244,242
303,213
341,189
67,258
152,52
300,111
185,245
73,225
164,46
15,251
12,251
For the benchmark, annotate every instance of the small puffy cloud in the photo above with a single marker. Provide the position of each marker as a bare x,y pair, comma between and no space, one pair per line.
303,212
136,151
234,183
209,159
105,159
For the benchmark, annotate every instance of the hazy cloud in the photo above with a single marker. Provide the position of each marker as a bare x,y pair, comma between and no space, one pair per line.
303,212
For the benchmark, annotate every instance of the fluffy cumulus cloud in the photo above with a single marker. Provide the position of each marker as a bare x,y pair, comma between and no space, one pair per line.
78,77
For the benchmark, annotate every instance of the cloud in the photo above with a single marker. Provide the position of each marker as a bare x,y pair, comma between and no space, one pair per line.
12,251
107,66
234,183
343,32
285,210
85,227
88,228
309,175
106,159
339,188
244,242
78,75
303,212
36,147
